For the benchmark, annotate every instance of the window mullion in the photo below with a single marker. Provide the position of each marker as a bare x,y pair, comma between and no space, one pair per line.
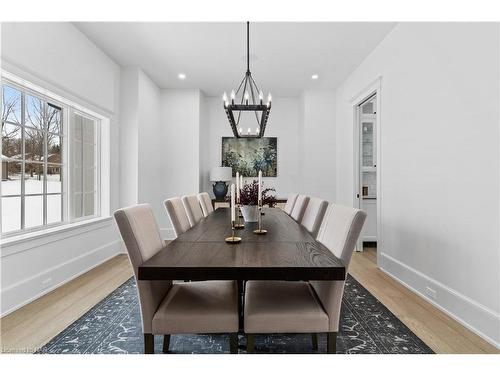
45,157
23,158
82,168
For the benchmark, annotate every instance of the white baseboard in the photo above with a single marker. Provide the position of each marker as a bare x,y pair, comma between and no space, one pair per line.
167,233
476,317
25,291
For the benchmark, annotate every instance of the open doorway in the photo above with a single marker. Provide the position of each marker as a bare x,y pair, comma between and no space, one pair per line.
366,165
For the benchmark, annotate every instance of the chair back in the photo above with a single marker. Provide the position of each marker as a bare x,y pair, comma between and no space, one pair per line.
193,209
313,215
299,207
177,214
205,203
339,232
142,238
290,202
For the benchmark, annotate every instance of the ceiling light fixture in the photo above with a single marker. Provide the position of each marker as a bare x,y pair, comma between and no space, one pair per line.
314,76
247,92
181,76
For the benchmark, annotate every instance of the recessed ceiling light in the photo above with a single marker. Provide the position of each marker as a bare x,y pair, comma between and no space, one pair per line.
314,76
181,76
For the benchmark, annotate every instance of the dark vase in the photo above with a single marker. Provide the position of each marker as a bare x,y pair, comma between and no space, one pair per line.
220,190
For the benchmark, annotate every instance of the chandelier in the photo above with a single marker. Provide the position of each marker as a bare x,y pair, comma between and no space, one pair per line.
247,98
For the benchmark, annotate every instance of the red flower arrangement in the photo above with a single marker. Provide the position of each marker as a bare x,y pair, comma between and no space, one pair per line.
250,193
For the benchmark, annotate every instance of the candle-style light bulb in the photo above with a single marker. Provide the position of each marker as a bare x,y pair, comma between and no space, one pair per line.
224,97
249,131
261,96
233,95
257,130
246,97
240,130
269,98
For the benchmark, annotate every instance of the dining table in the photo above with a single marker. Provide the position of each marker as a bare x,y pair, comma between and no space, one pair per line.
286,252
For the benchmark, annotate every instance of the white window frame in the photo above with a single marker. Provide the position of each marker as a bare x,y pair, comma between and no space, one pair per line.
97,177
103,182
64,166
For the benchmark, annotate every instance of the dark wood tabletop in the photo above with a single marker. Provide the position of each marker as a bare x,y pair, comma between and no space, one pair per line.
286,252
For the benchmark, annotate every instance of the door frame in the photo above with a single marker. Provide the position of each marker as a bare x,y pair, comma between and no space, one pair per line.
374,88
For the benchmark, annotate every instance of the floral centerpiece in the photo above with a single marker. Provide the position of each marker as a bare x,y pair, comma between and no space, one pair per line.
249,200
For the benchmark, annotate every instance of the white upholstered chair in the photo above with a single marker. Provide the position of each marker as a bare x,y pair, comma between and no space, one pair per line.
299,207
167,308
205,203
301,306
290,202
177,214
313,215
193,209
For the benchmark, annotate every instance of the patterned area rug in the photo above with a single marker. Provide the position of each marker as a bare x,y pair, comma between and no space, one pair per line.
114,326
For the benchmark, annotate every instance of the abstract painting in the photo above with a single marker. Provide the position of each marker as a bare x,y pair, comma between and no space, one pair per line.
249,155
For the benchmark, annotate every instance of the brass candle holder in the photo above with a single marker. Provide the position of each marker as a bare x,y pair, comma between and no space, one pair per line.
233,238
238,224
260,230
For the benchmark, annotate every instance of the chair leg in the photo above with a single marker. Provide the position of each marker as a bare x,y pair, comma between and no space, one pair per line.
331,343
250,342
149,343
166,343
314,337
233,343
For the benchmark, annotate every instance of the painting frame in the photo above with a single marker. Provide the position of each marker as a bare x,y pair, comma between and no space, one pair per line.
249,155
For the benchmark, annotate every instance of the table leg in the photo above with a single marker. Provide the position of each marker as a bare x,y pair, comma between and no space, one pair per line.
241,300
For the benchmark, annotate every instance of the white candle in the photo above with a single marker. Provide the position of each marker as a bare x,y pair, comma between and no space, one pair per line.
241,181
260,186
238,187
232,203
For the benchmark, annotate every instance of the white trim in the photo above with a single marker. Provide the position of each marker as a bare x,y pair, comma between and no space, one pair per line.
32,283
42,237
476,317
375,87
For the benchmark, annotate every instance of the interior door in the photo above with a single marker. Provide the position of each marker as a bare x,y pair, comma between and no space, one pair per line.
367,192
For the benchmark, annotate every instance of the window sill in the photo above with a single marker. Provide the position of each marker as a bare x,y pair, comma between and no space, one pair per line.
48,235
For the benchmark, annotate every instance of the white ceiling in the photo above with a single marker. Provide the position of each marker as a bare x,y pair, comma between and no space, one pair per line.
212,55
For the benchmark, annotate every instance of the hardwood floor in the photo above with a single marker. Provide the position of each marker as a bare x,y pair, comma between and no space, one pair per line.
436,329
32,326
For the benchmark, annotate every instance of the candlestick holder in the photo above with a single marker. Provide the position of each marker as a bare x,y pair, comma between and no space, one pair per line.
260,230
238,224
233,238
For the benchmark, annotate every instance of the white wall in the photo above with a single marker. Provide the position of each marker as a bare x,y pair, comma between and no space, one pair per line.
129,136
204,144
439,164
141,177
283,123
151,180
59,58
318,148
180,137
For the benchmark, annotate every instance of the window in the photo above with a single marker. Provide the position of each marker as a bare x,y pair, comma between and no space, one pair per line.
84,167
43,143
